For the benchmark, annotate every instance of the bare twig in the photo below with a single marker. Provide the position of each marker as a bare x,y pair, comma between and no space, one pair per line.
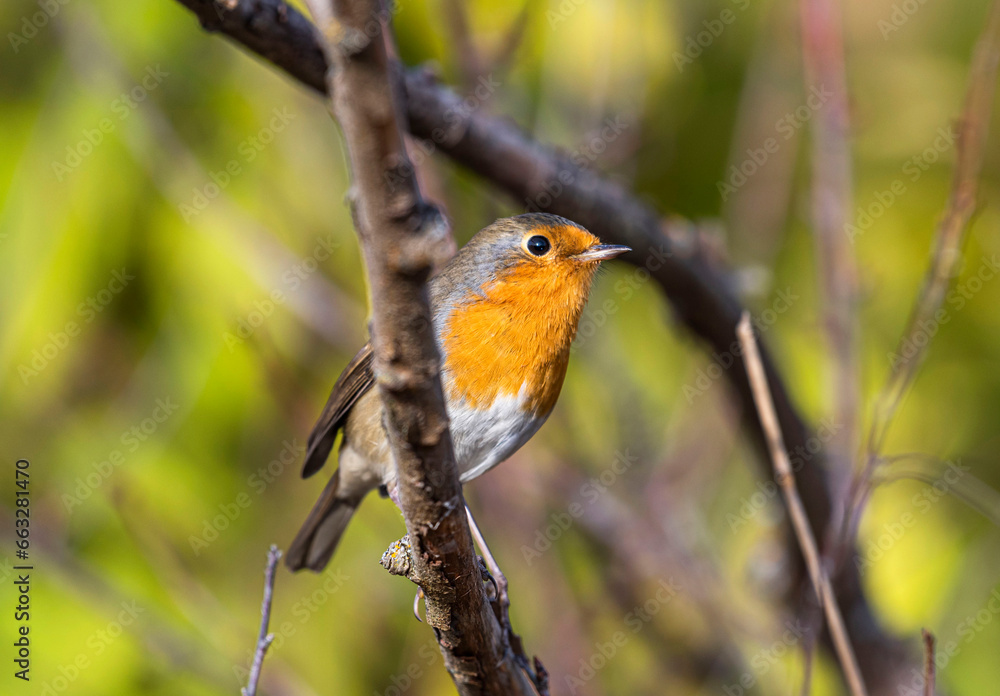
472,63
823,53
951,230
469,60
786,479
512,40
950,237
402,237
264,639
929,664
808,653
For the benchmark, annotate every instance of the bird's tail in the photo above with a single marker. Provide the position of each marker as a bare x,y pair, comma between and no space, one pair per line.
317,540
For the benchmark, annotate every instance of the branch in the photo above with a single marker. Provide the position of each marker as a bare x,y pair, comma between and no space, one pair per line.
786,479
950,238
402,237
265,639
951,230
929,664
823,53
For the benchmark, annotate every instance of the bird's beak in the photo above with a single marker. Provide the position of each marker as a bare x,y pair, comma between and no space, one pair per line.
602,252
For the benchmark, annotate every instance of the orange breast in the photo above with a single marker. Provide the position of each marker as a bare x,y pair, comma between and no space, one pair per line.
517,334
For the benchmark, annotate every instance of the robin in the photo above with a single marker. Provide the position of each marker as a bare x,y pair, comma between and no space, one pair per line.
505,311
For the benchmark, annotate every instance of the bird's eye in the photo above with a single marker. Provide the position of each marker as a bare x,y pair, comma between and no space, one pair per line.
538,245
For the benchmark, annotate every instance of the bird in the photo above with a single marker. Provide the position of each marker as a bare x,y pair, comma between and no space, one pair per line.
505,311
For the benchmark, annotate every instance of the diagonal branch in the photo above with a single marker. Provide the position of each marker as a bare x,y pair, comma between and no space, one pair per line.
951,230
402,237
786,479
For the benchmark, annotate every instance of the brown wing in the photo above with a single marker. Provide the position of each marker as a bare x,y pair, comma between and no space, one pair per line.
356,379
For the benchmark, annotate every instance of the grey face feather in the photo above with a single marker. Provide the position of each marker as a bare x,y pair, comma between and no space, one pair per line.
493,249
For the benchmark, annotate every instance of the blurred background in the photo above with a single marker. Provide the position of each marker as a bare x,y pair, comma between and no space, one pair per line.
180,285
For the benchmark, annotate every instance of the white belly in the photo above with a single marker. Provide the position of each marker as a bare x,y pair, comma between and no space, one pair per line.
481,438
485,437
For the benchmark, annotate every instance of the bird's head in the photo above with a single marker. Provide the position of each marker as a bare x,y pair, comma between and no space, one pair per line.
530,257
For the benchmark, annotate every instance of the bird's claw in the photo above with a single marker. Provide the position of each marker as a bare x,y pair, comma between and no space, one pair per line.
486,575
416,604
499,582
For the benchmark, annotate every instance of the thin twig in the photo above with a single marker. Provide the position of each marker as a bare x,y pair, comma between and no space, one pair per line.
808,652
809,647
264,639
469,61
832,193
512,40
800,523
929,664
973,129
